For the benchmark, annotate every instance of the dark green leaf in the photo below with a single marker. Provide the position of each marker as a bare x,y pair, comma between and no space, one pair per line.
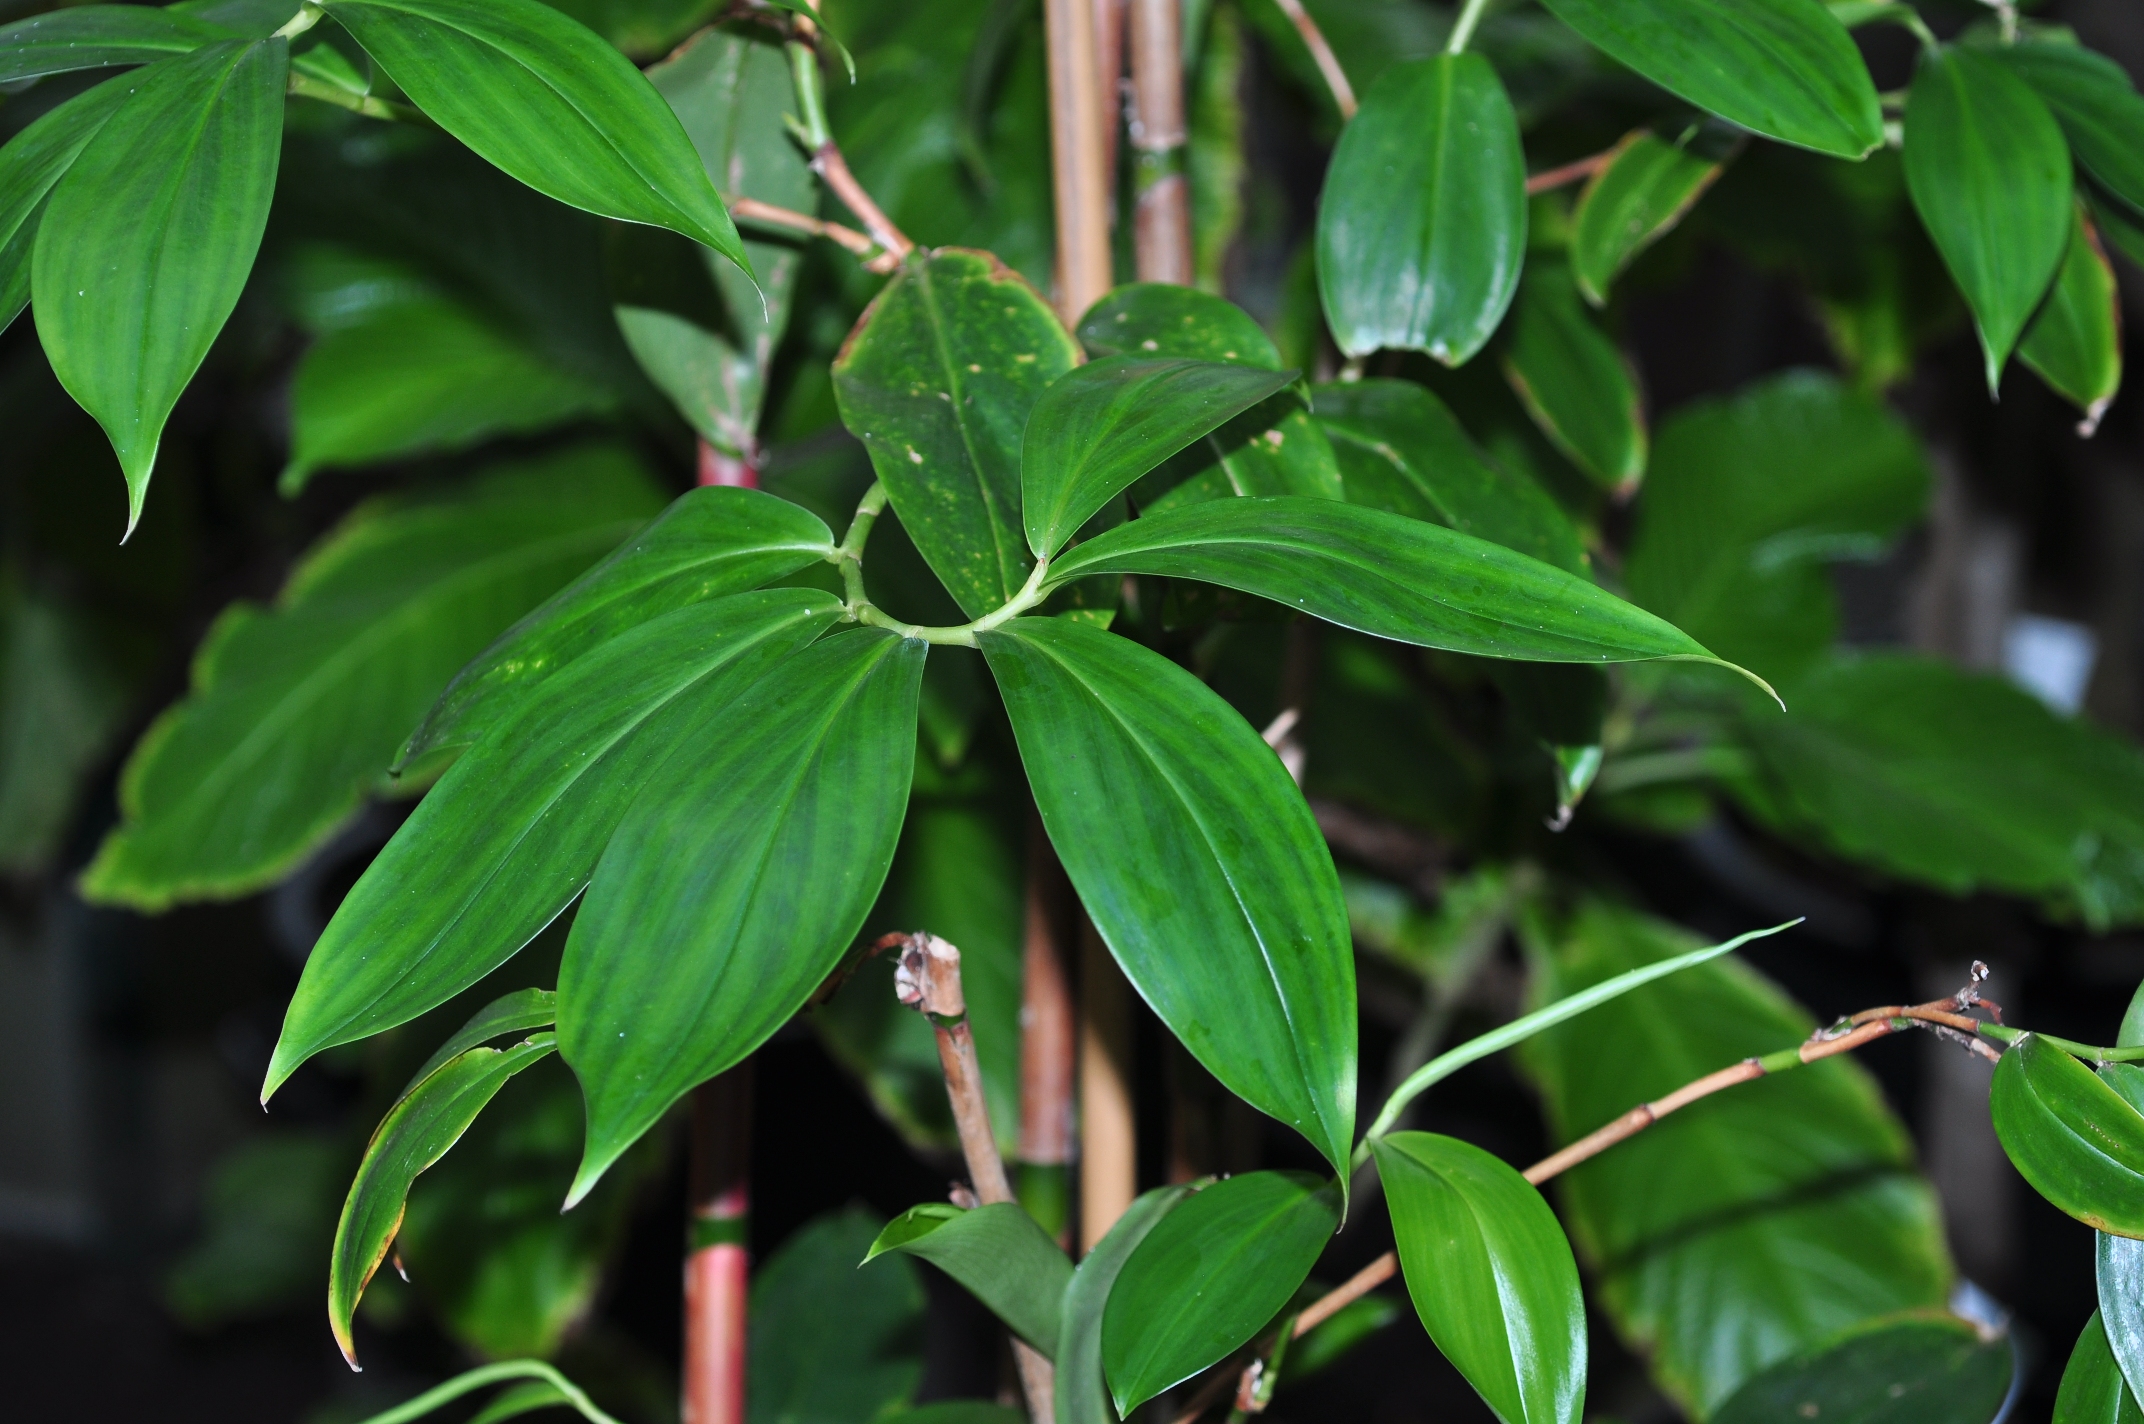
268,1214
62,697
1158,319
1744,500
1955,779
1574,382
32,162
1794,1197
98,36
2077,1141
1401,449
1101,426
416,1132
937,380
542,97
1990,177
509,1013
2075,343
1422,226
1082,1392
2098,108
1388,575
513,832
709,542
1647,187
736,882
2094,1390
1178,825
146,241
831,1344
1209,1275
1924,1369
1490,1274
1782,68
2119,1266
296,711
998,1253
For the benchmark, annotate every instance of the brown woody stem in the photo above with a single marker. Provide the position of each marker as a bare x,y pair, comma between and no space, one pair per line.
754,211
1078,163
1569,173
833,170
1161,223
1322,53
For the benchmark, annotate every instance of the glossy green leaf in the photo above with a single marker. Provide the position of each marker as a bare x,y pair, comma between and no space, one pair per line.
527,813
1178,825
416,1133
1082,1390
831,1344
938,380
2094,1390
2099,110
1574,382
1422,226
999,1253
545,99
1209,1275
147,240
1792,1198
1955,779
1490,1274
1781,68
1990,176
296,710
736,882
2075,1139
1158,319
2075,343
1388,575
1102,425
2119,1265
419,377
97,37
708,543
509,1013
1927,1368
33,161
1403,450
1746,498
1647,187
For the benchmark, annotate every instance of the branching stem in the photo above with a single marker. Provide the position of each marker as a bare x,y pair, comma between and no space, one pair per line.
483,1375
850,556
372,106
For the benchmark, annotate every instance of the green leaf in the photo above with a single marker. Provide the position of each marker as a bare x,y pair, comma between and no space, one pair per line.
1793,1196
62,697
418,377
98,37
1954,779
999,1253
938,380
2094,1390
33,161
2075,343
1389,575
1158,319
146,241
708,543
1178,825
2099,110
1490,1273
268,1214
2119,1270
542,97
296,710
1647,187
736,882
1082,1390
514,830
1209,1275
1990,176
1746,497
1101,426
1403,450
831,1344
1927,1368
509,1013
1422,226
426,1121
1781,68
1574,382
524,1398
2077,1141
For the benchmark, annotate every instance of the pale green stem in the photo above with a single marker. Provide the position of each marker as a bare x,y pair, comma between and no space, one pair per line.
850,556
812,127
2088,1052
308,16
477,1378
305,86
1463,29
